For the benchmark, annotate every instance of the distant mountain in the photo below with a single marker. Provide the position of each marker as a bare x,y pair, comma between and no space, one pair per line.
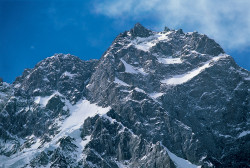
154,99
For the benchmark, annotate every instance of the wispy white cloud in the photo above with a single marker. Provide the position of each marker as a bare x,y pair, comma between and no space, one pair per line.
227,21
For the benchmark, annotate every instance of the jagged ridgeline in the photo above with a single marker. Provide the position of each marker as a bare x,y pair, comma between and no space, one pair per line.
154,100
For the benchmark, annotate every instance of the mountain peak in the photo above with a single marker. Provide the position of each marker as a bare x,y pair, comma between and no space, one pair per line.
139,25
140,31
151,94
166,29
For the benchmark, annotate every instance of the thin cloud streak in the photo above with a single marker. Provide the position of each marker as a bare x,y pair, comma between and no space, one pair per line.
227,21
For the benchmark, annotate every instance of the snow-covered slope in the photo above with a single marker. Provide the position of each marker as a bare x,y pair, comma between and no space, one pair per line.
69,127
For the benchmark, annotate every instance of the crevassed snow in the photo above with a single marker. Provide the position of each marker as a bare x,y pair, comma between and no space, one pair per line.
128,68
244,133
170,60
120,82
146,43
180,162
43,101
180,79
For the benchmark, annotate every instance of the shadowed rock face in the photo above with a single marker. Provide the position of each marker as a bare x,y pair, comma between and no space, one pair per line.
154,99
139,31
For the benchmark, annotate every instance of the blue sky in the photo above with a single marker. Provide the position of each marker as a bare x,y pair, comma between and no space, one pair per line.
32,30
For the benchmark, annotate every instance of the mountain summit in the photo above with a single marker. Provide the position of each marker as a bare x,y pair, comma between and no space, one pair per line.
154,99
140,31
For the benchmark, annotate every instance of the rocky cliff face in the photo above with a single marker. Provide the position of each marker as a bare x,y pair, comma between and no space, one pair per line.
154,99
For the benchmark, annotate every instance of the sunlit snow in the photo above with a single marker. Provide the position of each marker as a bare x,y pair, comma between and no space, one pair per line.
244,133
155,95
66,73
147,43
118,81
140,90
183,78
69,127
128,68
131,69
79,112
180,162
43,101
170,60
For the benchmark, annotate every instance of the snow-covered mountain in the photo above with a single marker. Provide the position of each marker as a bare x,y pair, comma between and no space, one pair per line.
154,99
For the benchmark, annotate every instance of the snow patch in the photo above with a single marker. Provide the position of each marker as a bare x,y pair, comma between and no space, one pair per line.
118,81
180,79
37,90
3,95
140,90
43,101
17,85
144,157
155,95
131,69
45,79
247,78
80,144
244,133
79,112
141,70
85,142
170,60
145,44
180,162
120,165
128,68
70,75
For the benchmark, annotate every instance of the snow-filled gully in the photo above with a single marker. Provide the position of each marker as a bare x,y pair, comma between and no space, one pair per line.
183,78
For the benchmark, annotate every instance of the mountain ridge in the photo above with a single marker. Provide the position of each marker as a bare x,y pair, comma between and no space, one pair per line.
150,101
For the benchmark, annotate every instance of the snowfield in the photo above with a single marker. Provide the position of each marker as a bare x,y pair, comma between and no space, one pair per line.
183,78
145,44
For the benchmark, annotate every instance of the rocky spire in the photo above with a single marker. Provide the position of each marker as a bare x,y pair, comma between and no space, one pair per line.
140,31
166,29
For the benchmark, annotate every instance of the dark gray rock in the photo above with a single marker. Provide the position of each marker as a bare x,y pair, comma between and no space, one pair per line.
140,31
